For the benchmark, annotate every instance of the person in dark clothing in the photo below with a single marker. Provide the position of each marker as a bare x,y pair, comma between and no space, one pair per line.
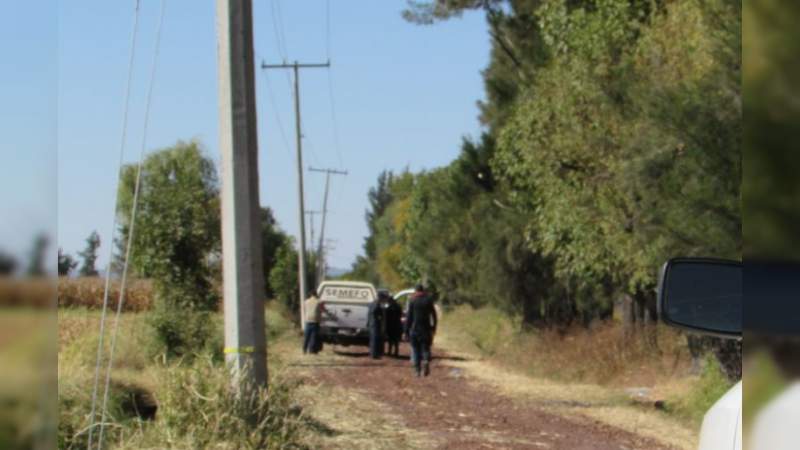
375,326
421,323
394,326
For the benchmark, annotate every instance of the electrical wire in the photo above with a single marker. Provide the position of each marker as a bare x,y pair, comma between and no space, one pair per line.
280,37
131,231
123,137
332,101
271,97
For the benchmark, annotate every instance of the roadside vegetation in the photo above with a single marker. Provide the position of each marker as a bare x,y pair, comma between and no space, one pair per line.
180,403
605,354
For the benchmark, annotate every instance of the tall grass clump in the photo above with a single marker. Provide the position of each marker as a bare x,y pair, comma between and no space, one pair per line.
192,406
198,409
74,406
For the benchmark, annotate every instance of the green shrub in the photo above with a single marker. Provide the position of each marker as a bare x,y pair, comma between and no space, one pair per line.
181,332
711,385
487,328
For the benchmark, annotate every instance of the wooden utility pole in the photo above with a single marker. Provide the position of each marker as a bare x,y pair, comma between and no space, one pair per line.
243,278
301,254
321,266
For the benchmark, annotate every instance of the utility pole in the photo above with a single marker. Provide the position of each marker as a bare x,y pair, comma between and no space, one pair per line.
243,278
311,215
321,249
301,254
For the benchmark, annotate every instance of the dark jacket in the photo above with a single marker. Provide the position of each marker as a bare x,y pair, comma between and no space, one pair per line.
394,322
421,320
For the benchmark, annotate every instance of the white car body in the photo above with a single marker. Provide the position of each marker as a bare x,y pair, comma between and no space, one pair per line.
722,424
777,425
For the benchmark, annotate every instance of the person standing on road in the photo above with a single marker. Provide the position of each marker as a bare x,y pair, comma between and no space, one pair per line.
394,326
421,323
375,326
313,311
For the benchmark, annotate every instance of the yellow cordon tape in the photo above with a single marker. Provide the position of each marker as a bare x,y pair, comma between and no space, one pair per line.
240,350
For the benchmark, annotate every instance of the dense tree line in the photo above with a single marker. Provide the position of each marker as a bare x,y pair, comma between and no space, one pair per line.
612,142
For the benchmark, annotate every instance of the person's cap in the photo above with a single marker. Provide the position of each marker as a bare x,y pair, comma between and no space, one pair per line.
419,287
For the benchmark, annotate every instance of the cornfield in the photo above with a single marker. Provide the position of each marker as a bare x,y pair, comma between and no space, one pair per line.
88,293
27,292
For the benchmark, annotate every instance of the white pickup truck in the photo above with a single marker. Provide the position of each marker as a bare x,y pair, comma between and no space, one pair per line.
344,317
703,295
706,296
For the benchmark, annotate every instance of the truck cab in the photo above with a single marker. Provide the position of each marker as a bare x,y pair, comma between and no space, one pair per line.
344,311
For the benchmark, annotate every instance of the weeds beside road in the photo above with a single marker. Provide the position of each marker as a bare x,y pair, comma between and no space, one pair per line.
154,403
494,393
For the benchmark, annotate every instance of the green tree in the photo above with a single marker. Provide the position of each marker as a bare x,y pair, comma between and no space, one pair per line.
610,146
379,198
176,231
272,239
89,255
66,263
283,277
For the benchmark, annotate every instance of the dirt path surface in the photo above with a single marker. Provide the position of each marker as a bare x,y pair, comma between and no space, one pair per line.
450,409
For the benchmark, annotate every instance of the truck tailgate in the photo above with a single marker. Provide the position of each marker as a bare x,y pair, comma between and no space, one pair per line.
351,315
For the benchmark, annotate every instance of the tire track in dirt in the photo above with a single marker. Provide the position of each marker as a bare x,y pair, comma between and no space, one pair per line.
460,413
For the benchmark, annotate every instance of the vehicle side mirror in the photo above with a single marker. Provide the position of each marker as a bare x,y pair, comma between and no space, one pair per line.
702,295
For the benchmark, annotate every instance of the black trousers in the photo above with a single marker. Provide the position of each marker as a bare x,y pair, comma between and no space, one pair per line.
311,338
375,343
420,350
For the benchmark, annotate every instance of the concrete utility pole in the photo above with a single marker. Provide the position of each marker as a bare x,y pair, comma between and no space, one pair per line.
243,278
321,266
301,254
311,215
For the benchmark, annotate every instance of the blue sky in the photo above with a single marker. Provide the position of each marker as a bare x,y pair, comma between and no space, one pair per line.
405,95
28,126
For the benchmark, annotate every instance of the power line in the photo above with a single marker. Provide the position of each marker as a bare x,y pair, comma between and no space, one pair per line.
126,109
280,38
336,142
328,29
310,148
280,22
129,245
271,96
338,200
321,267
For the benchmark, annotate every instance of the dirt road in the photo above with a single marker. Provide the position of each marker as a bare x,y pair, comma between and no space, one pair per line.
368,403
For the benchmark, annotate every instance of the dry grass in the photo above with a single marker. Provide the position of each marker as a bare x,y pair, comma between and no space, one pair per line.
87,292
603,354
545,373
360,422
27,292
